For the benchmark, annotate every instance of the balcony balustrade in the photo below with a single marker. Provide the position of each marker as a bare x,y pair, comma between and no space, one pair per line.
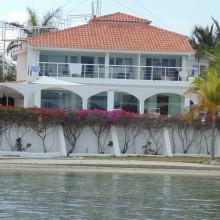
101,71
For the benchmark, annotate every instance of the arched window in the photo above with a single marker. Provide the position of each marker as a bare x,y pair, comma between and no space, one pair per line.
60,99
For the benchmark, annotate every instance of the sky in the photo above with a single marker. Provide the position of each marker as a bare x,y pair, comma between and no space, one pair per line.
175,15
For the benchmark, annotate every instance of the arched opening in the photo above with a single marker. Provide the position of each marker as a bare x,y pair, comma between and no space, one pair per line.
165,104
98,101
125,101
59,98
10,97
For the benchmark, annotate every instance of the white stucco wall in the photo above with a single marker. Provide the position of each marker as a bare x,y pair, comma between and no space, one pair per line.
87,143
22,66
29,136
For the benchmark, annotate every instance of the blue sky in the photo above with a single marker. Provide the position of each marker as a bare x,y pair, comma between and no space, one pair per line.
175,15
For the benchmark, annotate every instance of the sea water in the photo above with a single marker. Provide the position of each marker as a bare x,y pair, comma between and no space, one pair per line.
31,194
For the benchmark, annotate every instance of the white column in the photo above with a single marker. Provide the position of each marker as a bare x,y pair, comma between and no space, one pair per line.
141,110
184,66
26,101
110,100
107,65
33,58
37,56
168,149
115,141
186,102
138,66
85,106
184,62
37,99
62,143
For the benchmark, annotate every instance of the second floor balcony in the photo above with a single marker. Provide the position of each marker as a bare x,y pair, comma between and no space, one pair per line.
100,71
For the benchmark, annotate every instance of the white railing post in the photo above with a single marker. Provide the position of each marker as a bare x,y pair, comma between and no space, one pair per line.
125,72
152,72
43,68
98,69
138,72
111,71
84,70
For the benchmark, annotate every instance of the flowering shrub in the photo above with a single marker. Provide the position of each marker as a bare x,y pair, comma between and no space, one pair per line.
100,123
73,122
44,121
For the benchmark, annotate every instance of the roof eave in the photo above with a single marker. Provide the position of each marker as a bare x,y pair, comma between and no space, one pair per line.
156,52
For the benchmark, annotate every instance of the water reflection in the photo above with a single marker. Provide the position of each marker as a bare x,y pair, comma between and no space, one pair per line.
75,195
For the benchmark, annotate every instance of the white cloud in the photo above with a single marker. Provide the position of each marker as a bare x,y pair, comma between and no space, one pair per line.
17,16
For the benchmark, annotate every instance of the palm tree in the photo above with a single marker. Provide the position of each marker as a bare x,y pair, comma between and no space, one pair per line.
7,69
208,96
203,41
217,31
35,25
215,60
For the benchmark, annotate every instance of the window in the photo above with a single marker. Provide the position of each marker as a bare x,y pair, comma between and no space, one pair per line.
111,61
120,61
73,59
57,58
101,60
172,63
148,61
43,58
202,69
165,62
156,62
198,69
127,61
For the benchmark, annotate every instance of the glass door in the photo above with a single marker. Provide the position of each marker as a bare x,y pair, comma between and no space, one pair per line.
87,70
162,104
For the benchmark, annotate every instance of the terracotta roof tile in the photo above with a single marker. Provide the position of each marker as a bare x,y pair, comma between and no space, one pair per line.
107,36
120,17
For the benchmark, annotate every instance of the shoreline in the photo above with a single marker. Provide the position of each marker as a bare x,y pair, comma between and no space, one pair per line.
109,166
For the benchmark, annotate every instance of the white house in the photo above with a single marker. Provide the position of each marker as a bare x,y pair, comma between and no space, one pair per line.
121,62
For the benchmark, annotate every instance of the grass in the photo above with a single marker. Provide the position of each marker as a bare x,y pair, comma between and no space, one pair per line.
154,158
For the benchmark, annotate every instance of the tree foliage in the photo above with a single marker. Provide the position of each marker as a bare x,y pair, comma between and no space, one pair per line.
204,39
9,70
207,92
35,24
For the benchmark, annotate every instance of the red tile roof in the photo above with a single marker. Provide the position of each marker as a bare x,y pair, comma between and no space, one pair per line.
120,17
128,34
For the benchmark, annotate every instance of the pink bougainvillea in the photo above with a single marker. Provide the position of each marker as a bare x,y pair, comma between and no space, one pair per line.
43,120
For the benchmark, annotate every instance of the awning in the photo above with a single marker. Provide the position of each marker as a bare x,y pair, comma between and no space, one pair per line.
52,81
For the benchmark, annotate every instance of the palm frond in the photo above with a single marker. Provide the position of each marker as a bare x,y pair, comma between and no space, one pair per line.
207,92
33,19
49,17
217,32
203,41
21,26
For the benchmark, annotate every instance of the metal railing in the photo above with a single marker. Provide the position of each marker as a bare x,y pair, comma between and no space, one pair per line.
100,71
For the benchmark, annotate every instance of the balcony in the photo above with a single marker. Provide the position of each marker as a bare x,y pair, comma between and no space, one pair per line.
97,71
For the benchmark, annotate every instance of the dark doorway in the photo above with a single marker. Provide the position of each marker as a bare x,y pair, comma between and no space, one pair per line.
148,69
87,70
162,104
7,101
